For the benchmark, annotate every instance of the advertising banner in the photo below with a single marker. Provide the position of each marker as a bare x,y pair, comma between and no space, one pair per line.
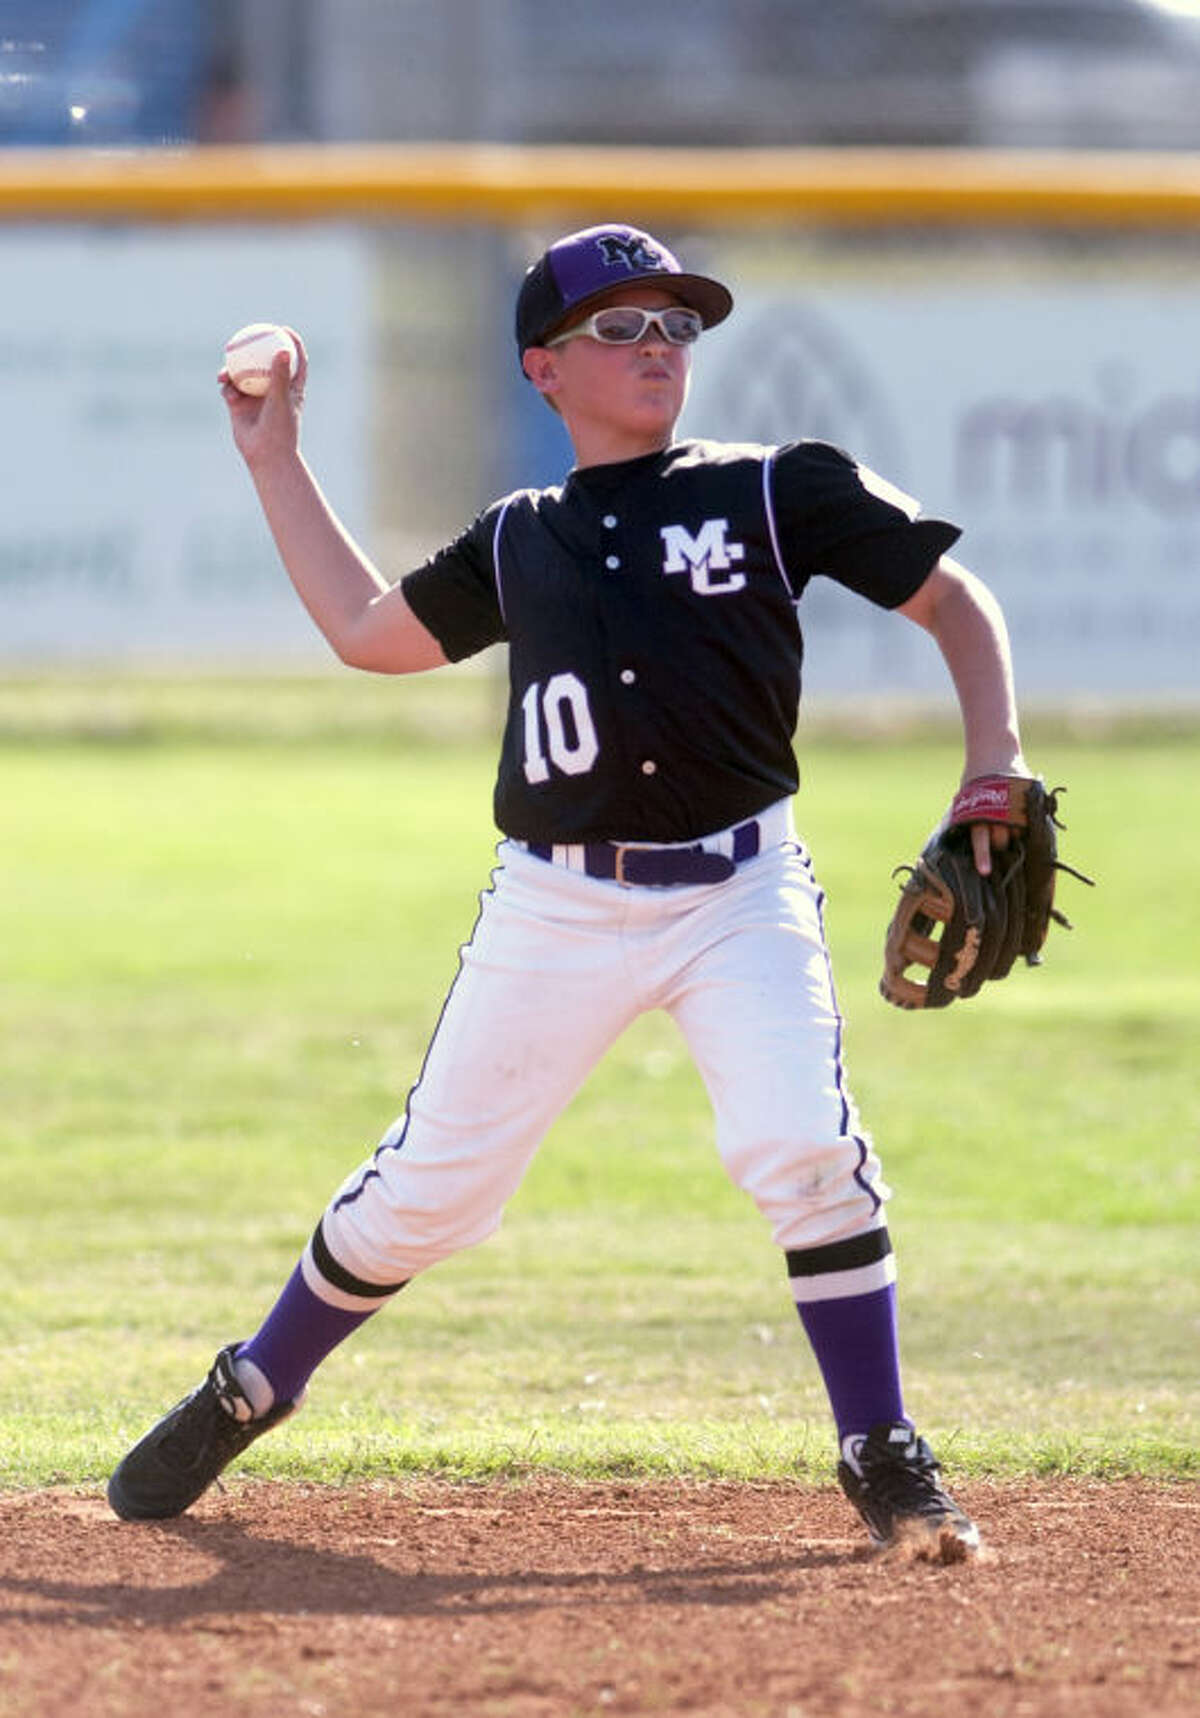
1058,423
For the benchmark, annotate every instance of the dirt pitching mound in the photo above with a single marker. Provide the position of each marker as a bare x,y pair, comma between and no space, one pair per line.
551,1599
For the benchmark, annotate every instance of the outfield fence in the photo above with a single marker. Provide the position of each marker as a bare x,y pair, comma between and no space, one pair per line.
1007,336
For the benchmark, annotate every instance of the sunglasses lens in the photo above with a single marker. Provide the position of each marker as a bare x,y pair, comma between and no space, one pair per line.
620,325
682,326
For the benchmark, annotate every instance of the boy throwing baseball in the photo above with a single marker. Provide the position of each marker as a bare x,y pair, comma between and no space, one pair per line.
648,857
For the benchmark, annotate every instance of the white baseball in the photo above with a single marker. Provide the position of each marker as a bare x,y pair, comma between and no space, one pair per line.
250,352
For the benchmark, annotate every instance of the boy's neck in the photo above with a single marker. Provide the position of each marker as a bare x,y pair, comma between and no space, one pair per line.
610,448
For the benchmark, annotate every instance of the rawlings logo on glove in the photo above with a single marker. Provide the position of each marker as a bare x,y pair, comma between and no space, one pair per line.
985,922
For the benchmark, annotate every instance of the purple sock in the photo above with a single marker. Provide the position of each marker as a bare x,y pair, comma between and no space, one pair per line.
857,1349
299,1331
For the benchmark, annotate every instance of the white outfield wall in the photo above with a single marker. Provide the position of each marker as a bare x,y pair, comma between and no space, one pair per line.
129,530
1011,340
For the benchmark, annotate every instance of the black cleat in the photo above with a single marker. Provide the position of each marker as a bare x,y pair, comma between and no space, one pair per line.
893,1480
179,1458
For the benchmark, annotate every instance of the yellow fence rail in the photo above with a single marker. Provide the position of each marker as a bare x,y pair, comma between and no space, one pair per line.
519,184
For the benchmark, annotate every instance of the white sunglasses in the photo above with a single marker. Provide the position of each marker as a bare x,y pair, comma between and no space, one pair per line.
626,324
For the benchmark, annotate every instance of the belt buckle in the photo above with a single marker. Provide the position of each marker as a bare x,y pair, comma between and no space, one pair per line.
619,853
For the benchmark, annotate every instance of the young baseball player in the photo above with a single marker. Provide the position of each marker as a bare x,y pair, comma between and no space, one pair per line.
648,855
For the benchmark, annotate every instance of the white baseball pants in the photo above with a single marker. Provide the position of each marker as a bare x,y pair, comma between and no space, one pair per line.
557,967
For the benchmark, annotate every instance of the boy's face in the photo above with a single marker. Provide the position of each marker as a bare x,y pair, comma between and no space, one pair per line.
637,390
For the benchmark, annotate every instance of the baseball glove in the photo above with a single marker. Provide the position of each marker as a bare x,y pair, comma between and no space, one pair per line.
985,922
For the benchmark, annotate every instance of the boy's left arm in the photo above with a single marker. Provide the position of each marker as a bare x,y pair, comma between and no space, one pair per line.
967,624
987,909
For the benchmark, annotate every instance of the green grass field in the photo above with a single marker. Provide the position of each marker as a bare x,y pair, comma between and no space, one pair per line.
229,918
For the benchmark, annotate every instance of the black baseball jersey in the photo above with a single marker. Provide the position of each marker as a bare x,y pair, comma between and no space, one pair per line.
654,644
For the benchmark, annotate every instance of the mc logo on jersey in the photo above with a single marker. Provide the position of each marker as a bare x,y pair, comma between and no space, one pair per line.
703,555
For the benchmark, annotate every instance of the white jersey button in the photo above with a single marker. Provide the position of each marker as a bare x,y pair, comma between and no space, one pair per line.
609,521
612,562
649,767
627,677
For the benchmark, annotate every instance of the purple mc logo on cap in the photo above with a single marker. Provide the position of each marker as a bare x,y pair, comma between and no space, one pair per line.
636,252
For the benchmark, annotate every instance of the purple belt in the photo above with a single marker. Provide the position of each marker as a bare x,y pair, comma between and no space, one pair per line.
660,867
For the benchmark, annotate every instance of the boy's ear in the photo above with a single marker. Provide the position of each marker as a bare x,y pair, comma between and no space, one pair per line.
540,365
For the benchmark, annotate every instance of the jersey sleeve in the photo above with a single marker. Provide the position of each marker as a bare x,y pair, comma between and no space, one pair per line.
841,519
454,594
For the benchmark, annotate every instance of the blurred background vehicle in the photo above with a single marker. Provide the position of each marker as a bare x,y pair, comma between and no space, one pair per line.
1093,73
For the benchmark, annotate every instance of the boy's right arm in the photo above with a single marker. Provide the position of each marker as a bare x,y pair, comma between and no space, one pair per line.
368,623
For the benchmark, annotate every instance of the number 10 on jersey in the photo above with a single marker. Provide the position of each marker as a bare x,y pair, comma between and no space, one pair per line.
559,730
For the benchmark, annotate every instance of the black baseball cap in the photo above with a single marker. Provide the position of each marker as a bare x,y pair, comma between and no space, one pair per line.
587,264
